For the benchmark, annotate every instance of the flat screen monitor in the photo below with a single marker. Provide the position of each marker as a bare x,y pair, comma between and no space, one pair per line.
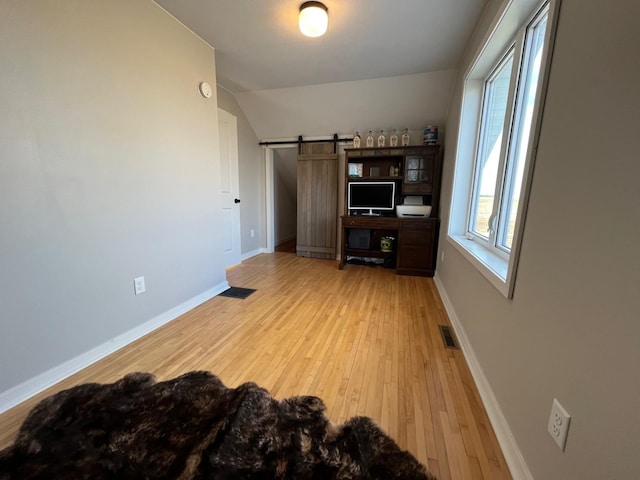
371,197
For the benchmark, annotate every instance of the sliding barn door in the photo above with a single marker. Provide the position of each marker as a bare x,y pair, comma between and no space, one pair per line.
317,201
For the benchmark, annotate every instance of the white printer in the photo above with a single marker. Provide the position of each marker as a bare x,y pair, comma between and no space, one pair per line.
413,208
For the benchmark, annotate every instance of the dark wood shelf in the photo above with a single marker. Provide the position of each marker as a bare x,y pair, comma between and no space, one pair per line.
369,179
357,252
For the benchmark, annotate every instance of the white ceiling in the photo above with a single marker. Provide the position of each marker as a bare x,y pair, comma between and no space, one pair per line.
258,45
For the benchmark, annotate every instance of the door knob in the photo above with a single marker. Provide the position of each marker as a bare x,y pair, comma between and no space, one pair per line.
237,200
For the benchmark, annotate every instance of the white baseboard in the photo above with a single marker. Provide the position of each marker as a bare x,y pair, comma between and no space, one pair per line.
511,451
253,253
18,394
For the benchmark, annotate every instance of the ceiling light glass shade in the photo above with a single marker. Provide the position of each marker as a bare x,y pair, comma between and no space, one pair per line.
313,19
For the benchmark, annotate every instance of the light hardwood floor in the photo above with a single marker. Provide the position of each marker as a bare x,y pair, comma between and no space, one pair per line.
363,339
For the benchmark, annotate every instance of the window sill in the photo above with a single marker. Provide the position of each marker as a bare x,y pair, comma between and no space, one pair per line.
493,267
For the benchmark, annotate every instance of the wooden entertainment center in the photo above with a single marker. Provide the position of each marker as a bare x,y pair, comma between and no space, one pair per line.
415,170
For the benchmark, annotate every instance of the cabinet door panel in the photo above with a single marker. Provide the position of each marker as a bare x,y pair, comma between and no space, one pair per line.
415,257
416,247
416,237
418,174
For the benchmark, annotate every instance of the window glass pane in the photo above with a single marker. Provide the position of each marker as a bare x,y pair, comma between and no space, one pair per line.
493,120
534,43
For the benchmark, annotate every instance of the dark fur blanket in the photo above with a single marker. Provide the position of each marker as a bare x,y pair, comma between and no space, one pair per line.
193,427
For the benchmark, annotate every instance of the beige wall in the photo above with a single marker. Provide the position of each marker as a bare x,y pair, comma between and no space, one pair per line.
251,168
405,101
572,329
108,171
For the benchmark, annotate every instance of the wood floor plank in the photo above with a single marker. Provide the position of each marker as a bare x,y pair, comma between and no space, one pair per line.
363,339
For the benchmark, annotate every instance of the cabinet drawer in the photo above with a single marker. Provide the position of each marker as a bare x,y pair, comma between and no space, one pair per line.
416,237
370,222
413,224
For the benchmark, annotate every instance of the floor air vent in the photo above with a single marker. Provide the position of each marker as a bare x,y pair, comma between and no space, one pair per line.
447,337
237,292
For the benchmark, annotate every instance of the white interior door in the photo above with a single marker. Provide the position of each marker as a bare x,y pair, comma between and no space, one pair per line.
229,187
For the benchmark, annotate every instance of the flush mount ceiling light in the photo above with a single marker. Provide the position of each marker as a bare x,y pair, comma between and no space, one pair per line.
313,19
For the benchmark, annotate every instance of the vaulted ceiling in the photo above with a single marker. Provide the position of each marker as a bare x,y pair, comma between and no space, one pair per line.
258,44
407,49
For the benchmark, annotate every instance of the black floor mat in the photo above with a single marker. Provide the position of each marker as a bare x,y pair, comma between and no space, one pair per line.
237,292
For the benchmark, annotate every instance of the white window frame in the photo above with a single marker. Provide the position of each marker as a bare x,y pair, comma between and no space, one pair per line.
496,263
489,240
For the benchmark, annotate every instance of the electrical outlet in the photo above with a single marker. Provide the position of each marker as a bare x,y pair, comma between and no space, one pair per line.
558,426
253,233
138,285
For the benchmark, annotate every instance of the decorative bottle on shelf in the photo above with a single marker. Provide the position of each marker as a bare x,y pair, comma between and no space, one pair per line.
356,140
393,140
381,139
405,137
392,171
431,135
370,139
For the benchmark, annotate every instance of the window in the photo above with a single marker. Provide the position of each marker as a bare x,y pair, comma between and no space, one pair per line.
489,144
501,107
